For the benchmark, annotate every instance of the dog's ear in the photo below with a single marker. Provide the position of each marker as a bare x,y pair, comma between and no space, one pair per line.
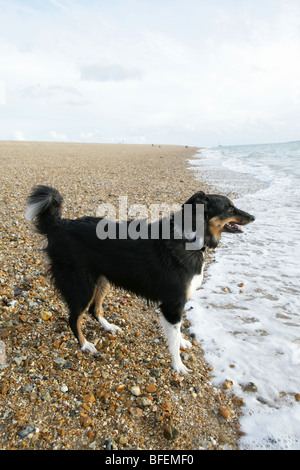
198,198
192,217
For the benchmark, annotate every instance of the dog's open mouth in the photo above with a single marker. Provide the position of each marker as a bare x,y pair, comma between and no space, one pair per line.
233,228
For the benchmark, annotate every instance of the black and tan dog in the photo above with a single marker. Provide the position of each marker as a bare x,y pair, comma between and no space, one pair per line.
160,270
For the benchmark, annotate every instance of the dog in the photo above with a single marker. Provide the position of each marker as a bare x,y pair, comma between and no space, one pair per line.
161,270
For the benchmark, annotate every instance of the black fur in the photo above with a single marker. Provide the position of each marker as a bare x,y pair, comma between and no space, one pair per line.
158,270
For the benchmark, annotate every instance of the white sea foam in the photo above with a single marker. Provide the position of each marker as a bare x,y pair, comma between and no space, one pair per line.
247,314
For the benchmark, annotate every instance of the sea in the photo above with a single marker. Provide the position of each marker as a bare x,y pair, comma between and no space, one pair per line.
246,315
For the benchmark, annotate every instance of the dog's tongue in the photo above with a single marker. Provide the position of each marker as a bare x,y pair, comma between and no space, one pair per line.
232,224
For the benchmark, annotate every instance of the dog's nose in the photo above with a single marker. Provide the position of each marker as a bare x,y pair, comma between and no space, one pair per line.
252,218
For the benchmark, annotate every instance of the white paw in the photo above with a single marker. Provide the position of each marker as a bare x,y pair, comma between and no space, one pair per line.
184,343
110,327
89,347
181,368
114,328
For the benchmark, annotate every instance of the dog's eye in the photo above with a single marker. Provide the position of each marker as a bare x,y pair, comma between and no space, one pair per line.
231,209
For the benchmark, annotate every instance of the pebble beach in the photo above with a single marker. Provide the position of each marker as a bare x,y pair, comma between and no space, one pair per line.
52,395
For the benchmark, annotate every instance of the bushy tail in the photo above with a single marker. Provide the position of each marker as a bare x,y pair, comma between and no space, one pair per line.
44,205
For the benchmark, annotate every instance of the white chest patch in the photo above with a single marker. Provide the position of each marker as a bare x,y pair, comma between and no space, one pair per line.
195,283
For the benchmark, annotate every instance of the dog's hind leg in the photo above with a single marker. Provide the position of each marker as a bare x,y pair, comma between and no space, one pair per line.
78,292
101,290
171,322
75,324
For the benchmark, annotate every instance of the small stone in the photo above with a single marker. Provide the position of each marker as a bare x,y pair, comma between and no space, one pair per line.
32,396
93,445
28,430
85,421
225,412
19,360
224,439
155,372
151,388
89,398
59,361
135,390
120,387
68,365
174,383
2,353
46,396
123,440
170,432
167,406
192,358
64,389
250,387
17,291
46,315
297,397
119,356
227,385
144,401
226,289
136,412
108,444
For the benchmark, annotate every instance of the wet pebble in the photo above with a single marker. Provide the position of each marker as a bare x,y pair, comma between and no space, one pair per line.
250,387
169,432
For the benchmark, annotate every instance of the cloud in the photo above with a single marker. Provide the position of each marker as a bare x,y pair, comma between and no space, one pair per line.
58,137
2,92
18,135
106,73
205,72
53,94
58,4
87,136
39,91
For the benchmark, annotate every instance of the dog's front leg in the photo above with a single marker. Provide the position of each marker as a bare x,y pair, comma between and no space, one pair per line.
174,339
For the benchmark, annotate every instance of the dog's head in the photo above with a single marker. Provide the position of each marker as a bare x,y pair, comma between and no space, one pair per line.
220,215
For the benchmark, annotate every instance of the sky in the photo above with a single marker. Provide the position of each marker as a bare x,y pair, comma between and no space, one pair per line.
187,72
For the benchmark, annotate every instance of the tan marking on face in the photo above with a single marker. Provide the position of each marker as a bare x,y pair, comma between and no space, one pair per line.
215,226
